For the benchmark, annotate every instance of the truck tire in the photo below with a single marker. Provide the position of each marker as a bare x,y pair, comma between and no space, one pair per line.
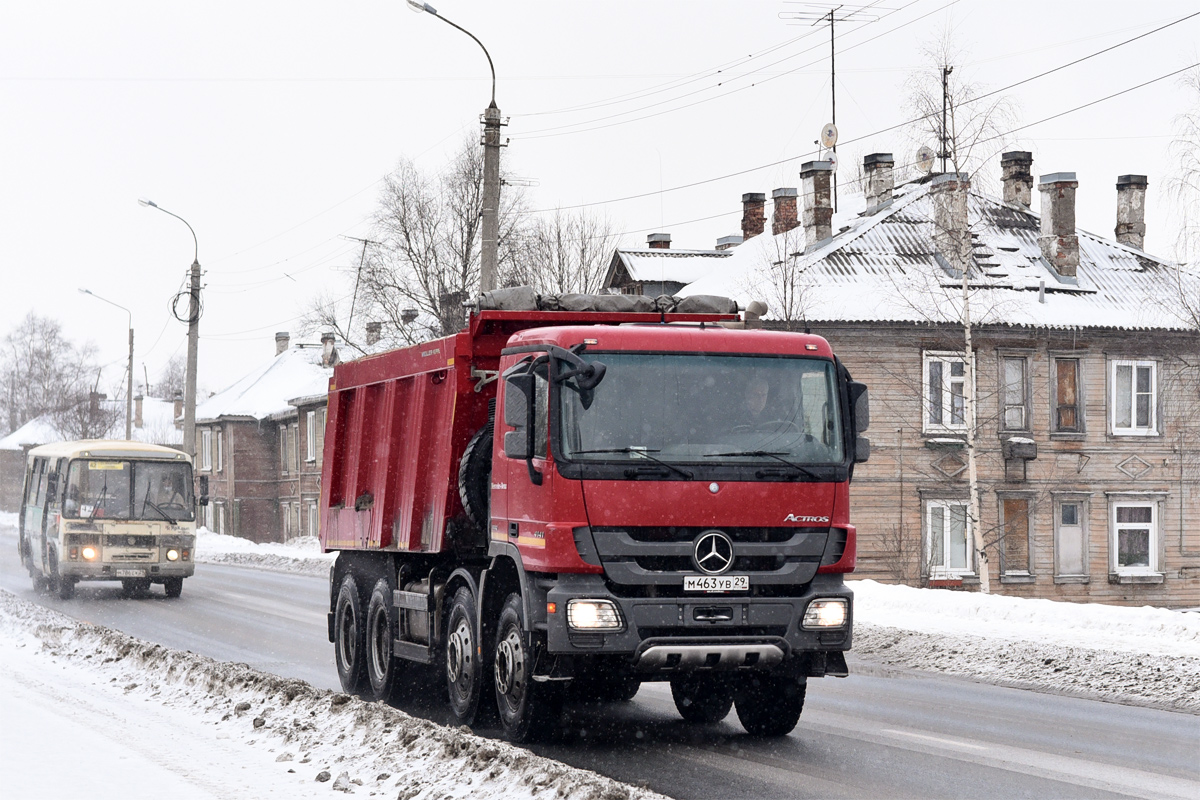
528,708
465,674
385,672
350,637
702,698
66,588
770,705
475,477
173,586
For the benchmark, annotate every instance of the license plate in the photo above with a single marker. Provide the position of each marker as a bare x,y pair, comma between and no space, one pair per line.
130,573
716,583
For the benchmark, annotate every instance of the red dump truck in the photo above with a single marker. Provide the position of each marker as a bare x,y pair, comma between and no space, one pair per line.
577,494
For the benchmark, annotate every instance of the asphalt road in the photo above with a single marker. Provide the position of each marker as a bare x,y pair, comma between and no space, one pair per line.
877,735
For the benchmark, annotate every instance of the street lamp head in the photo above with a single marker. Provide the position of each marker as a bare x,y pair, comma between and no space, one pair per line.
420,8
85,291
142,201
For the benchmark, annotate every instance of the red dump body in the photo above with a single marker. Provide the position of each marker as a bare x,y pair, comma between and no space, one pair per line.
399,421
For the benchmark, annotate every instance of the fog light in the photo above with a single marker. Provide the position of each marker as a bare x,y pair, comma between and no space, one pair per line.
829,612
172,554
89,553
593,615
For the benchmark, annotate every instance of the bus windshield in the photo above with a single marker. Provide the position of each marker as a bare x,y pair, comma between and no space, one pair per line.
702,408
129,490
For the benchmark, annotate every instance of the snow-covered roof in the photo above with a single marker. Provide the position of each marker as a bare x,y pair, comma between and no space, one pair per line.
677,266
158,426
884,267
266,391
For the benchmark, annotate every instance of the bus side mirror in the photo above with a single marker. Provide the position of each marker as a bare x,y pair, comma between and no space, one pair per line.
203,490
860,405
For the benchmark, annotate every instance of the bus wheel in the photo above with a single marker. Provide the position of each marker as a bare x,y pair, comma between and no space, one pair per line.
173,586
349,637
770,705
527,707
66,588
464,662
135,587
40,582
702,698
385,672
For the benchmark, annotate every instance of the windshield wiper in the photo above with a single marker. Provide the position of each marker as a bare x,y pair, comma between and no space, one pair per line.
99,500
766,454
146,502
645,453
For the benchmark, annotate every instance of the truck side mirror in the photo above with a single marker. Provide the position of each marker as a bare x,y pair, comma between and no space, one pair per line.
862,449
519,399
860,405
203,490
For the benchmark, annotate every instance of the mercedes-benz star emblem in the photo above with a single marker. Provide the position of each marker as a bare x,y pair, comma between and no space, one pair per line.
713,552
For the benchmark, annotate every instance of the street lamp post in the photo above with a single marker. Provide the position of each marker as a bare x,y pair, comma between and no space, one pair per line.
488,266
189,394
129,386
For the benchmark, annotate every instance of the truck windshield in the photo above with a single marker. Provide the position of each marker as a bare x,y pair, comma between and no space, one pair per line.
702,408
128,490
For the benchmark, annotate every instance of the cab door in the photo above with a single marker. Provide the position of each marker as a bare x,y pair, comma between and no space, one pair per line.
33,516
528,483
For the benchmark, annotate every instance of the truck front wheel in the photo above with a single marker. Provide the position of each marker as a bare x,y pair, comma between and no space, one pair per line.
527,707
349,637
464,664
702,698
770,705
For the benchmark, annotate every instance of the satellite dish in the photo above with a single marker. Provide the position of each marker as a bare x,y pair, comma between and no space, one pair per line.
831,157
925,158
829,135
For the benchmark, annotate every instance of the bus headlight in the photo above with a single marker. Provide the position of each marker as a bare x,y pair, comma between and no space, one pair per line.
593,615
88,553
172,554
827,612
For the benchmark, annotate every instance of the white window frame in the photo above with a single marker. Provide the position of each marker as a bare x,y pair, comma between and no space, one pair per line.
220,451
294,446
1151,527
945,402
206,450
283,448
943,571
1133,429
314,519
310,432
1082,502
1024,405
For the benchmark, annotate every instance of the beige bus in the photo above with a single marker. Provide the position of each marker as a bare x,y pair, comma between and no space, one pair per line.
100,510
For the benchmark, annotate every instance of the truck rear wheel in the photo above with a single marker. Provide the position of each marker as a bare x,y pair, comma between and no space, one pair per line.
464,662
770,705
384,670
527,707
349,637
702,698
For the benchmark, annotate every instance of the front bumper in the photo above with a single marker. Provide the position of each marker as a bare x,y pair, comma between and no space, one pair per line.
91,571
663,635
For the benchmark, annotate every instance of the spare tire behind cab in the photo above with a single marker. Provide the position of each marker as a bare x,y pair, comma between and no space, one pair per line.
475,477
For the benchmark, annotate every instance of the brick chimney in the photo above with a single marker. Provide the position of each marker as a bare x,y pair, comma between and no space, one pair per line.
1058,240
659,241
137,411
281,342
1131,210
815,178
1016,171
178,411
783,218
728,242
374,332
878,179
951,231
329,353
753,219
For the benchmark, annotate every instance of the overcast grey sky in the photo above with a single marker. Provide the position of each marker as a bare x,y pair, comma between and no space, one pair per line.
268,124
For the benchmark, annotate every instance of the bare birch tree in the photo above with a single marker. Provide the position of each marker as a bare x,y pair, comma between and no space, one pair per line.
781,281
41,371
566,252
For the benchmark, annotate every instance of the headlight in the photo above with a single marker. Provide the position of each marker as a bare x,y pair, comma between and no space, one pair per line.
172,554
89,553
593,615
828,612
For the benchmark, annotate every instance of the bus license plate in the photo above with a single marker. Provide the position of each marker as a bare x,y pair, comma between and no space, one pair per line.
130,573
716,583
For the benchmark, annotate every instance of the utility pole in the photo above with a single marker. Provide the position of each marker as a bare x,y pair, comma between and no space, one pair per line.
833,95
193,341
489,258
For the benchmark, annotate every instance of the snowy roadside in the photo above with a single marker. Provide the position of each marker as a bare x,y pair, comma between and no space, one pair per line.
1136,656
191,727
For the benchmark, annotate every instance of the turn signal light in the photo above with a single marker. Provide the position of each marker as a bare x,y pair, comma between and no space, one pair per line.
187,554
